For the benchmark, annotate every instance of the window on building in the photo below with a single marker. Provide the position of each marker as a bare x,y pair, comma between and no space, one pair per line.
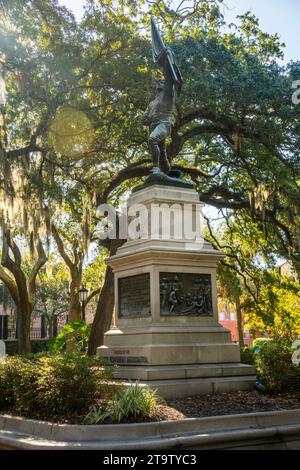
232,316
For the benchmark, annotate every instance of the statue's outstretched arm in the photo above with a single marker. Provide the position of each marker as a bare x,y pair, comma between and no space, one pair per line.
168,72
164,57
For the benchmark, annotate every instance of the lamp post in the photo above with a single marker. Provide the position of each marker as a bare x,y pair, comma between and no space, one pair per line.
83,294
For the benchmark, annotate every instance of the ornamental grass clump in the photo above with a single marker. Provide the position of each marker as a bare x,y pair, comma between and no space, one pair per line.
132,402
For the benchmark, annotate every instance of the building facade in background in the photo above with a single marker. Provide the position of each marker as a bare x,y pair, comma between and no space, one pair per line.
228,319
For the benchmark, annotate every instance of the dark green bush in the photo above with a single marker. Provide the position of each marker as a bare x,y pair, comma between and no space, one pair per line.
53,384
14,378
247,355
275,368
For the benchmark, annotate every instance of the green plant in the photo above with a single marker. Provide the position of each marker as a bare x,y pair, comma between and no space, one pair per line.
260,342
52,384
15,377
134,401
75,334
98,413
275,368
247,355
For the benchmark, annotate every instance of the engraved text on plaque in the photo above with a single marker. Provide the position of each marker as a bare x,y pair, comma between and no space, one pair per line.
134,296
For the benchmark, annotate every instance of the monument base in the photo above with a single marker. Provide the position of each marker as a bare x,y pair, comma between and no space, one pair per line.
181,388
178,361
167,333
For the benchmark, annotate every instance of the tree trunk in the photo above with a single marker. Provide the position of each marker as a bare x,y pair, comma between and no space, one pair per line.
104,313
50,327
24,323
239,318
43,327
105,307
74,309
75,267
22,286
54,328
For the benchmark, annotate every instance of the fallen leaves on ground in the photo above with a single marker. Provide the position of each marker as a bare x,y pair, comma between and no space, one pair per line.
193,407
224,404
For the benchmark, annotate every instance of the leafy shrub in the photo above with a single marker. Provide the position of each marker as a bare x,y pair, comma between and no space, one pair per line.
275,368
75,334
53,384
14,378
260,342
134,401
247,355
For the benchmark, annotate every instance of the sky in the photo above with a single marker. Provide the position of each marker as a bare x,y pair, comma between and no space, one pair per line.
276,16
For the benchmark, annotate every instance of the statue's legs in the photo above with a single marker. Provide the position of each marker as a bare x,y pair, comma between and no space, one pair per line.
164,164
158,146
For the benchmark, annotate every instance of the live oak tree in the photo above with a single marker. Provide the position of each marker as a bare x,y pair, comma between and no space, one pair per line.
237,132
252,276
52,295
25,108
236,135
21,285
71,253
53,289
277,310
81,269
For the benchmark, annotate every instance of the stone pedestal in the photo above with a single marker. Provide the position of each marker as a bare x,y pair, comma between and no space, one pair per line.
167,332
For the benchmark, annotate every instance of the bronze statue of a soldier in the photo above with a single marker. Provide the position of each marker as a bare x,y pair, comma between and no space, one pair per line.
160,115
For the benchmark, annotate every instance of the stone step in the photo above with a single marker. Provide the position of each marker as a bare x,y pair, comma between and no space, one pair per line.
188,371
168,337
174,354
180,388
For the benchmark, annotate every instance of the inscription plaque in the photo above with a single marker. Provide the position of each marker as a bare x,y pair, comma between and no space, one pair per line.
185,294
128,360
134,296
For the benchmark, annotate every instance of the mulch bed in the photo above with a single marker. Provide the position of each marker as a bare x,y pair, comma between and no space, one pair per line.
225,404
196,407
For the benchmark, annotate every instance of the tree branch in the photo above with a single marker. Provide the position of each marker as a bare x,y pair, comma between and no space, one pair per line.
203,129
224,204
61,248
193,172
12,266
92,295
123,175
42,259
23,151
10,284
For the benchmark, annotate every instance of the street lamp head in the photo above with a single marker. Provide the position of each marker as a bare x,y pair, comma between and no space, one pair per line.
83,294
